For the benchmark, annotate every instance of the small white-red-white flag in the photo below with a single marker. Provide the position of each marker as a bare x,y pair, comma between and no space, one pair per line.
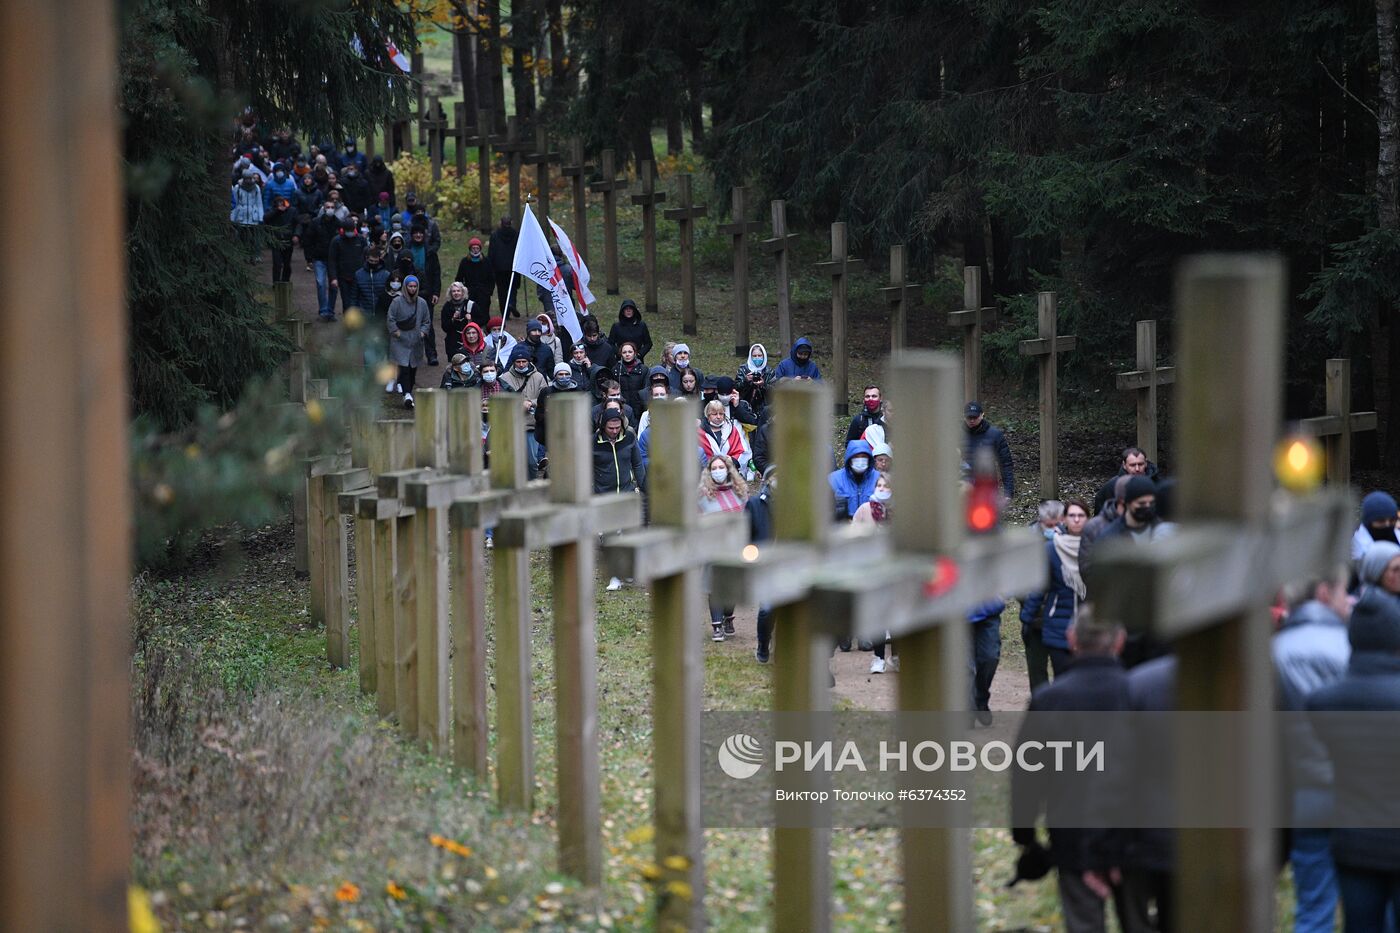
397,57
581,276
535,260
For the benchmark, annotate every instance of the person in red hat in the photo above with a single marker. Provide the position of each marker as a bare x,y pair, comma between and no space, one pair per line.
475,273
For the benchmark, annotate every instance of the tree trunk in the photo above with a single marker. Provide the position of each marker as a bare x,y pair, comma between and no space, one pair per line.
522,72
675,139
495,65
558,57
695,115
1388,216
466,68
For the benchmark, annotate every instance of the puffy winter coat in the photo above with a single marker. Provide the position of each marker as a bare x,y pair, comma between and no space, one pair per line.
851,488
1054,606
791,368
246,205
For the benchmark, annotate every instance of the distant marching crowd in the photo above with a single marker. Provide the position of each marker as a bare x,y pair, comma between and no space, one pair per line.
1337,644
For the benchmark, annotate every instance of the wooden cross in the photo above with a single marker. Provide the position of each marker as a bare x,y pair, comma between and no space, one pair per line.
782,574
1208,587
514,149
481,138
972,318
1144,381
1048,346
686,213
648,199
460,133
568,525
669,555
435,122
540,158
875,595
900,294
1336,427
609,186
577,171
419,90
838,267
780,244
739,229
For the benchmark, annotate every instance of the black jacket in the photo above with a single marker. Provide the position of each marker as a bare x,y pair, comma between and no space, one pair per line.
632,329
1105,493
759,442
380,178
862,420
617,465
479,279
987,434
501,249
357,194
633,380
429,277
601,353
542,406
346,255
317,236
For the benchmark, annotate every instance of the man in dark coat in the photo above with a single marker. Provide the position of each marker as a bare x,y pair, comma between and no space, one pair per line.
501,255
1134,463
355,190
599,350
346,256
630,327
617,463
982,433
474,271
429,272
540,353
872,412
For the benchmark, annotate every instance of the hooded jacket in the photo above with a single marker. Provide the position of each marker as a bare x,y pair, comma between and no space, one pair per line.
632,329
617,465
601,353
246,205
851,489
480,281
750,391
381,178
286,188
474,343
1310,651
790,368
633,378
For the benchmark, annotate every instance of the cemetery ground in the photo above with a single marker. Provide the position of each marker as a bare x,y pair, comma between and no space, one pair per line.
269,795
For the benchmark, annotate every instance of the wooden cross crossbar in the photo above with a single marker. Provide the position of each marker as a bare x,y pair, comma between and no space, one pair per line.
971,319
514,147
739,229
901,295
609,186
686,213
541,157
780,244
1144,381
648,197
1048,347
677,666
838,267
1337,426
576,170
568,525
434,122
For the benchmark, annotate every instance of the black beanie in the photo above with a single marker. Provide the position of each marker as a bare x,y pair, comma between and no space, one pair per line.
1375,623
1137,487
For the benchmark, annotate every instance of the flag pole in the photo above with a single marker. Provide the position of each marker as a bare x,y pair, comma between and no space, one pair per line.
510,289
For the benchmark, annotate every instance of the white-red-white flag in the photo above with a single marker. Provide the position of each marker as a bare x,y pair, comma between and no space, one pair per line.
535,260
397,57
581,276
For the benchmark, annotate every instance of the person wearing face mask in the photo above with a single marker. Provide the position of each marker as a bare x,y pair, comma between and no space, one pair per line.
371,280
429,272
459,374
630,373
854,482
683,364
381,211
381,182
280,185
799,364
454,317
490,380
872,413
753,379
523,378
550,336
350,156
599,350
541,354
475,273
722,489
1048,516
561,381
612,393
876,511
586,374
246,209
631,328
735,408
720,437
346,255
1377,523
501,256
281,222
408,321
1046,615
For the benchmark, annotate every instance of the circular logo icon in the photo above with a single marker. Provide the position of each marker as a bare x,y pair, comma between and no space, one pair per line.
740,756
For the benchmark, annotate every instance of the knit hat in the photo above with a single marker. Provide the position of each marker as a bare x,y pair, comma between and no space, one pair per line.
533,325
383,195
1375,560
680,348
1139,486
724,385
474,241
881,449
520,352
564,368
609,414
1375,624
410,278
1376,507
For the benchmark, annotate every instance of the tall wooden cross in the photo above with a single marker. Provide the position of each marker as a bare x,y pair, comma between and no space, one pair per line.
900,294
780,244
420,84
435,123
576,170
540,157
1048,346
972,318
685,213
480,137
648,199
609,187
782,574
569,525
1208,587
514,148
1337,426
739,229
670,555
876,595
838,267
1144,381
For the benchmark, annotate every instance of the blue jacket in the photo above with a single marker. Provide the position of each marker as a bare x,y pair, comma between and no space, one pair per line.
369,285
790,368
246,206
987,434
852,489
286,188
1054,606
983,612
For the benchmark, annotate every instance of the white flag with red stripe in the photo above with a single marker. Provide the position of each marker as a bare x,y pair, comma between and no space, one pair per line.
535,260
581,276
397,57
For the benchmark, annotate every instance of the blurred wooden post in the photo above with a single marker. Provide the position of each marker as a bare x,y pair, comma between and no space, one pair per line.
336,551
461,132
609,187
318,529
780,244
838,268
1336,427
648,198
540,157
971,319
1048,346
1144,382
568,524
685,213
577,171
390,449
670,555
739,229
901,295
349,504
66,534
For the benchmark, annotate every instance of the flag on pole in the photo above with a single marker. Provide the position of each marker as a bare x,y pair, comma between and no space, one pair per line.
535,260
581,276
397,57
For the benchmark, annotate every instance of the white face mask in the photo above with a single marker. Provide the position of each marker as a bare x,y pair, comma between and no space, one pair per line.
881,495
860,464
719,474
488,377
683,364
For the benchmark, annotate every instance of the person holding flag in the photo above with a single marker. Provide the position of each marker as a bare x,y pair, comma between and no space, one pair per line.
535,260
